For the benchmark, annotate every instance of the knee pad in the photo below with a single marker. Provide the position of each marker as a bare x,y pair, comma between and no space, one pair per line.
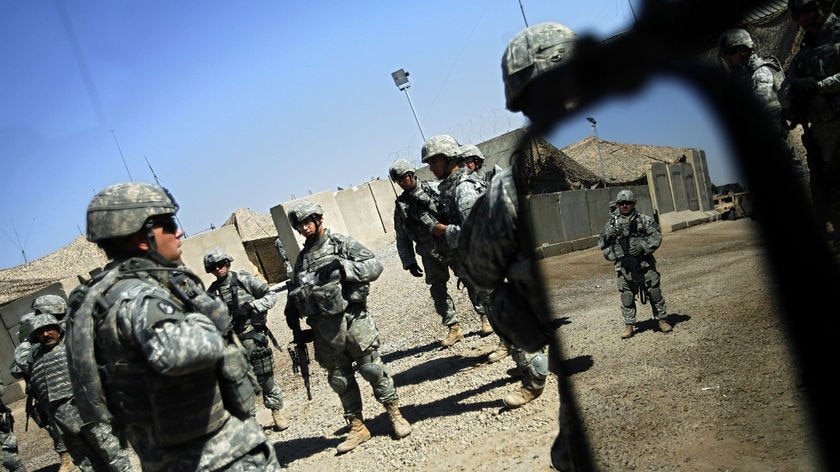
372,371
538,366
627,298
338,382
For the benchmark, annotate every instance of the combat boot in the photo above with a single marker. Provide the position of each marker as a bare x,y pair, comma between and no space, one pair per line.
664,326
455,335
358,434
486,327
67,464
280,422
500,353
402,427
521,397
628,332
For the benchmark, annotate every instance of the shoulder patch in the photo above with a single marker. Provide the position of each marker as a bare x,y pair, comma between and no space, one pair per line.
159,309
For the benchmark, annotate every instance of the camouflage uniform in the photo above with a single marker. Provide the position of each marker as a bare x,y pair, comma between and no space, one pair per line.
332,276
92,445
9,456
152,350
415,213
248,300
811,95
642,231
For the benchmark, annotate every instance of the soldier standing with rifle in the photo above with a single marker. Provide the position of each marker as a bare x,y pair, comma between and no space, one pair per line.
810,95
331,282
629,239
248,299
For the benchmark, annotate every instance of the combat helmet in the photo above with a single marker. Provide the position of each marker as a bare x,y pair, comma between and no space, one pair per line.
24,328
302,210
625,196
471,151
733,38
441,144
41,321
533,51
213,257
50,304
123,209
399,168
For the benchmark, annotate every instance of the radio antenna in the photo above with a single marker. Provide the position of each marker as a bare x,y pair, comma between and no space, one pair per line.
153,171
121,156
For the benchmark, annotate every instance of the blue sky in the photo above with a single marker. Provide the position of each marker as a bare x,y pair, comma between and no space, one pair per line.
249,104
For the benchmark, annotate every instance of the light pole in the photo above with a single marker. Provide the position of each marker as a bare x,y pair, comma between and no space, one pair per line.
401,81
598,145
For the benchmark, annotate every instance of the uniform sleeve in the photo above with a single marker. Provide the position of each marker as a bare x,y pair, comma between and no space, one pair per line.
653,237
264,300
360,263
405,246
174,342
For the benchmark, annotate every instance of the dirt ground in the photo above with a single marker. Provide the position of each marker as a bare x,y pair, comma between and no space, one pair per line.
719,393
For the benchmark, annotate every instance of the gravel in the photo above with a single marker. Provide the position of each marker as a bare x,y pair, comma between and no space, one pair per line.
718,393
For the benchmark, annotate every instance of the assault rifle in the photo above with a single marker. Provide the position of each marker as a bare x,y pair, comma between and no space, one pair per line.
300,358
634,268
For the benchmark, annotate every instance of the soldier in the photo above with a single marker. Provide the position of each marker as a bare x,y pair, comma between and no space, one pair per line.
472,158
93,445
21,368
458,192
415,214
332,276
630,239
764,77
160,359
248,300
811,97
9,456
499,255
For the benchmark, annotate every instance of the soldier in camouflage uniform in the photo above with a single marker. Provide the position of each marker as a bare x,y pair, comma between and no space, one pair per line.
764,76
458,191
150,349
810,95
415,214
248,300
21,368
93,445
498,255
9,456
332,276
634,235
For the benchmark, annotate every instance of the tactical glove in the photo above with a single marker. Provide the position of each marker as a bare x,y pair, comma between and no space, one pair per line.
636,250
415,270
805,87
325,273
611,233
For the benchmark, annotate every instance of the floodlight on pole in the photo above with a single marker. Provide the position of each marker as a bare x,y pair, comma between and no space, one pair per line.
598,146
401,81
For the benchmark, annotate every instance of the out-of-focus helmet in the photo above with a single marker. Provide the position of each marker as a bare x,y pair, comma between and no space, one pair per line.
50,304
122,209
213,257
625,196
735,37
302,210
441,144
399,168
24,328
533,51
40,322
470,151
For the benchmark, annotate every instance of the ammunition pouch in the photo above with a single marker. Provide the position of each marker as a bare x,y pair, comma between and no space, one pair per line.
326,299
237,381
262,360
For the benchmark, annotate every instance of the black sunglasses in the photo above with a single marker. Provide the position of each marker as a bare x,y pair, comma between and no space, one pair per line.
168,224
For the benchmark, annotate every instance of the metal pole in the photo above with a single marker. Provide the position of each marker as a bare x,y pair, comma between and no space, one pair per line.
598,146
414,113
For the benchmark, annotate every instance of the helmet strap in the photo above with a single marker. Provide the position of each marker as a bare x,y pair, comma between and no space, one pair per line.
151,240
